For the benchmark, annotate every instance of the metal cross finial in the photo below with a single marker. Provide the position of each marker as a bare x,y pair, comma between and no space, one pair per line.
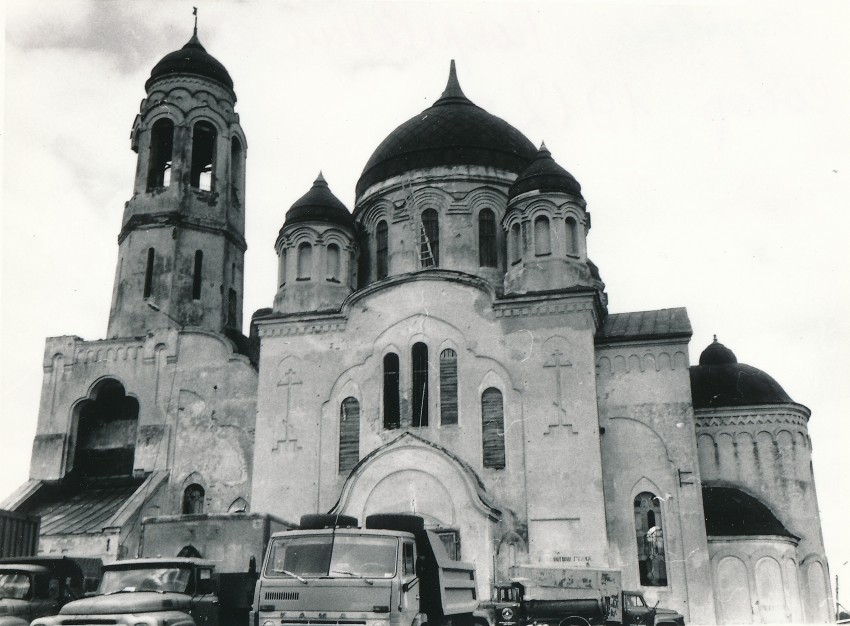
195,13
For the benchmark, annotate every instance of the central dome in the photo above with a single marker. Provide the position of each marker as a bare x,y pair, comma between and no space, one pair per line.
453,131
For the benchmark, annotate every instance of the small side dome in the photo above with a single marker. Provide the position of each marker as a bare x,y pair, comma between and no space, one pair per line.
720,381
191,59
730,512
544,174
319,205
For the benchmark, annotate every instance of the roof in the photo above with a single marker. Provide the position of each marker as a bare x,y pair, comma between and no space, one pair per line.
730,512
453,131
720,381
319,205
191,59
544,174
80,510
659,324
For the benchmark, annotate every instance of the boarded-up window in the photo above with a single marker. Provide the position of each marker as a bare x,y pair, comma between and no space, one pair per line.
571,237
148,274
382,246
196,276
516,244
542,237
392,416
419,358
487,238
652,560
305,261
448,387
493,428
193,500
237,170
333,263
349,434
232,308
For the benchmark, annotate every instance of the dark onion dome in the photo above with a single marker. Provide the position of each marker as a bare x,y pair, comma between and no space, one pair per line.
453,131
543,174
730,512
319,205
191,59
720,381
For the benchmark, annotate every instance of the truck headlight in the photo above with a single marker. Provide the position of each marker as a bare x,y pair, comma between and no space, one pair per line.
268,623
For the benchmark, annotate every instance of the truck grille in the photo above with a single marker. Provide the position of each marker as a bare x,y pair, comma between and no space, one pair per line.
281,595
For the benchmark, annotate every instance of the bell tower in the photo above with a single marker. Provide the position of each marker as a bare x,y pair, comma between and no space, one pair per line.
182,239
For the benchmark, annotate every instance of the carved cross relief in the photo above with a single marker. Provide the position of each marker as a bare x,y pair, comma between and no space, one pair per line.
284,431
558,360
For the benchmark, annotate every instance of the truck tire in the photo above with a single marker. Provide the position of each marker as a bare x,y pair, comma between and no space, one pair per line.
574,620
315,521
396,521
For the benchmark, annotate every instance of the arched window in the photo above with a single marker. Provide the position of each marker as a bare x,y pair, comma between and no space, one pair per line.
571,236
652,560
516,244
333,263
382,266
392,415
542,238
203,156
149,274
419,362
196,276
487,239
237,170
429,245
160,154
493,428
107,424
193,500
305,261
349,434
281,268
448,387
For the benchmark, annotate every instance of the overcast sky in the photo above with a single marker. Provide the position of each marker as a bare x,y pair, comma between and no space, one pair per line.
711,139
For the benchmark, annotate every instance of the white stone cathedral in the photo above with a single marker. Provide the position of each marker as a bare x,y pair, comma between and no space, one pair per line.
444,348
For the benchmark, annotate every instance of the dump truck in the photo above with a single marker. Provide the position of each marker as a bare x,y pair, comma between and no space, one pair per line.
193,570
391,572
38,586
542,596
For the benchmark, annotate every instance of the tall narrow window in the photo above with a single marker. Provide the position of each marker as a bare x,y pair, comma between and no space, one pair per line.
448,387
237,171
305,261
392,414
160,154
349,434
232,307
652,560
493,428
516,244
429,251
193,500
487,238
419,358
333,263
542,237
196,277
281,268
149,274
203,156
382,265
571,236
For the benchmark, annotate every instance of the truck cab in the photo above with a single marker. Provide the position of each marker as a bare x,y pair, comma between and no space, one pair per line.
33,587
139,592
390,573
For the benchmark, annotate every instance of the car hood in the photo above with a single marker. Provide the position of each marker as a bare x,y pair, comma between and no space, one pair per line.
127,602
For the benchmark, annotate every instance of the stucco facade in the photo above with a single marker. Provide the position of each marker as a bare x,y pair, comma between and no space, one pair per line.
445,348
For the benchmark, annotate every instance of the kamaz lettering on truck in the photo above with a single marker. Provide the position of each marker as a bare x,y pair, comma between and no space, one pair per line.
393,572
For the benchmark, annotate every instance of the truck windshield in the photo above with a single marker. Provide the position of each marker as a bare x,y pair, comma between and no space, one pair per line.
174,579
14,585
327,556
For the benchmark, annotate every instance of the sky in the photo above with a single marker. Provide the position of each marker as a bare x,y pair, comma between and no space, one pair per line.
711,140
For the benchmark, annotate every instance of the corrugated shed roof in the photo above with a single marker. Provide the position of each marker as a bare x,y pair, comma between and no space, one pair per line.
81,510
663,323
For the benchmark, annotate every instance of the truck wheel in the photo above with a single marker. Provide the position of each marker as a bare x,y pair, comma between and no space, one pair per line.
574,620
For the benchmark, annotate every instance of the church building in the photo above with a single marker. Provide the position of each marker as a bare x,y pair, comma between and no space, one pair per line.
444,347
